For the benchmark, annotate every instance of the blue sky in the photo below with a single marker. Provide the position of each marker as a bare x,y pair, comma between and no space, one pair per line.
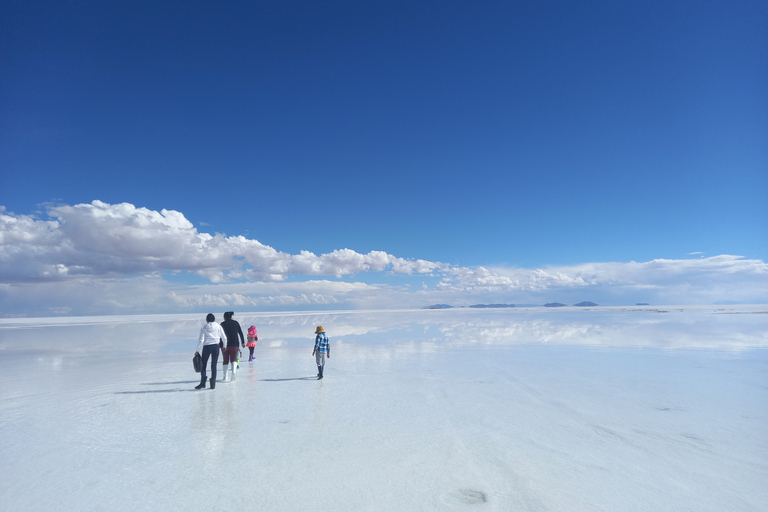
503,136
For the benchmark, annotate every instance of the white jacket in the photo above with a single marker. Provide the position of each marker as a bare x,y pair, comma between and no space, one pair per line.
210,334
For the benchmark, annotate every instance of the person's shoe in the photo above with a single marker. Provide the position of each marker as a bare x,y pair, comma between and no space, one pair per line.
225,378
201,385
213,384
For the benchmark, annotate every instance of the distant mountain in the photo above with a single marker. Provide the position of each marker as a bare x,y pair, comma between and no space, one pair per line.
642,304
554,305
493,306
438,306
585,304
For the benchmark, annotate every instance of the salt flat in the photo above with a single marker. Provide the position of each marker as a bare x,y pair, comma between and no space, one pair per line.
530,410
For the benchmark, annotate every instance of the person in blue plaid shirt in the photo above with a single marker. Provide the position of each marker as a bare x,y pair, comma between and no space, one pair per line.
322,350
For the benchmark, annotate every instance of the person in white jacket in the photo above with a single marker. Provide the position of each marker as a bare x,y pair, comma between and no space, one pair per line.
210,336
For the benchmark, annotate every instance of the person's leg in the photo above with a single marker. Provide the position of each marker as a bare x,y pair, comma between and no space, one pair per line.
322,367
225,363
250,349
232,360
202,370
214,363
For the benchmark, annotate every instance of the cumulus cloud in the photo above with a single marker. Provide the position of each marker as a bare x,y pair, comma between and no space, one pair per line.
655,273
102,258
150,294
670,281
101,239
509,280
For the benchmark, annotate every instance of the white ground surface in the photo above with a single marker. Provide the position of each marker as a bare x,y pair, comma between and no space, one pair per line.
656,409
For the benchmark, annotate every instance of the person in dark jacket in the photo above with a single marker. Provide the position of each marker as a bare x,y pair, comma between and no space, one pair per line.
234,339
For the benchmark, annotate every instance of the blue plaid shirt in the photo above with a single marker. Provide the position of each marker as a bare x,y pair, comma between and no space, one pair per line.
321,344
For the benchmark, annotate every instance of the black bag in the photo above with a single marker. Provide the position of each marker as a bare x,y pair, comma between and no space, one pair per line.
197,362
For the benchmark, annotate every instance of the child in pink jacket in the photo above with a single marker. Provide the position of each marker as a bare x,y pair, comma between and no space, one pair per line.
252,339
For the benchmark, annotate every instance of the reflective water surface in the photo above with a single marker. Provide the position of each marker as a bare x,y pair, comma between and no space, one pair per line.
729,329
534,410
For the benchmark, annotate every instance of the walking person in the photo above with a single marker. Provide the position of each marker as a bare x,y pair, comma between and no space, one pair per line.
252,339
231,345
211,335
322,350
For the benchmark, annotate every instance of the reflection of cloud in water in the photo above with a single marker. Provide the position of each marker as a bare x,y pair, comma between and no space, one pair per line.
689,329
379,333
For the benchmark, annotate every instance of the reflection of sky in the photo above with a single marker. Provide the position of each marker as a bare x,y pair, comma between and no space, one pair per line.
379,332
547,410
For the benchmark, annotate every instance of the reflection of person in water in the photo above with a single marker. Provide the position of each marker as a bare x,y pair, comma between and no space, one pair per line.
322,350
252,339
210,335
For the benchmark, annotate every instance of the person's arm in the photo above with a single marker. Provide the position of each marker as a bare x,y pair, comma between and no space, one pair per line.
200,340
240,332
328,350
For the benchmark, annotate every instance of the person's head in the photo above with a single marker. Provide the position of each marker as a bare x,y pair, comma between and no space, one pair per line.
228,315
210,318
252,330
319,329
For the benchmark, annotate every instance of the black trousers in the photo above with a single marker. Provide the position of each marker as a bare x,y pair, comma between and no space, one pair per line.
211,351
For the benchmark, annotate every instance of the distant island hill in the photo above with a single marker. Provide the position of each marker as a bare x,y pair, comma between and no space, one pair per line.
585,304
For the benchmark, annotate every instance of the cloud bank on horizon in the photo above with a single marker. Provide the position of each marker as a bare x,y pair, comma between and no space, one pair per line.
104,258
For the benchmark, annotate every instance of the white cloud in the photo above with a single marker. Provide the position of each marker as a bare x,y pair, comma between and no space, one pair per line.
509,280
100,239
663,281
76,262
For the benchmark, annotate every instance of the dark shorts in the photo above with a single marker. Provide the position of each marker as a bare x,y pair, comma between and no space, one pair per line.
230,354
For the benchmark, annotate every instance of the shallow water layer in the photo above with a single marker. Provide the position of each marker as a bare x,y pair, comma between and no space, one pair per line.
656,409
